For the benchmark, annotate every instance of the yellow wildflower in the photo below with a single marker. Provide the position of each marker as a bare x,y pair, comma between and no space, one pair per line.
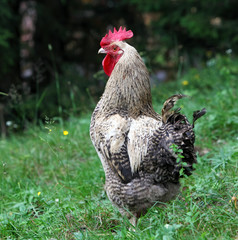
49,129
197,77
185,82
38,193
65,133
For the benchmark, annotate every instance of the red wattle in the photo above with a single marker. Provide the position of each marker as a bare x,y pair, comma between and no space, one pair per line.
109,63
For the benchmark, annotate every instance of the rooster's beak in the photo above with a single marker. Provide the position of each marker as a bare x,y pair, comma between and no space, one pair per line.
102,50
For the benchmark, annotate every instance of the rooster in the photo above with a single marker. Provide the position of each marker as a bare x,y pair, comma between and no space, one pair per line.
138,148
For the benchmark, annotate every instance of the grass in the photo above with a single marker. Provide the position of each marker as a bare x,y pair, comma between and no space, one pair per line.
51,184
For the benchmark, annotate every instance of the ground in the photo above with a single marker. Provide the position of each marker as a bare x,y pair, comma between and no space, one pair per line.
51,184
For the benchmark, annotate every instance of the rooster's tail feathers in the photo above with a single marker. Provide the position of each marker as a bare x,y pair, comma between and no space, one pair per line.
197,114
168,105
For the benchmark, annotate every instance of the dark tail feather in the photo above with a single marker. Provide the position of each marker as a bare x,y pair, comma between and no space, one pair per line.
168,105
197,114
183,135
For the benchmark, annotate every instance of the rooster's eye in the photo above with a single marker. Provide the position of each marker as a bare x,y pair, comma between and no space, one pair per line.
114,49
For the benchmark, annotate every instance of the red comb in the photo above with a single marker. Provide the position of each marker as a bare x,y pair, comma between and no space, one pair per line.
119,35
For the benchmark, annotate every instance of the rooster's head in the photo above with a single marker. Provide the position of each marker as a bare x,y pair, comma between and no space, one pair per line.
110,46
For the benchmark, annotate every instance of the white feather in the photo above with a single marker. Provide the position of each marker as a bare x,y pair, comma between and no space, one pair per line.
141,130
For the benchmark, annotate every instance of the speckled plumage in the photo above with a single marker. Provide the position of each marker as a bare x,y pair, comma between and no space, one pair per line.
133,142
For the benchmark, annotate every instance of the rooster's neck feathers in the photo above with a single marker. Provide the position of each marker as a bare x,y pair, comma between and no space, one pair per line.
128,88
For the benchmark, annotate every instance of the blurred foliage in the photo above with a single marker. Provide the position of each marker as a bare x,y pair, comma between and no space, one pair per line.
68,79
213,87
8,38
190,30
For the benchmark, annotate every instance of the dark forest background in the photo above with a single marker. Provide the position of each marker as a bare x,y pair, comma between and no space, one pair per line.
49,64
